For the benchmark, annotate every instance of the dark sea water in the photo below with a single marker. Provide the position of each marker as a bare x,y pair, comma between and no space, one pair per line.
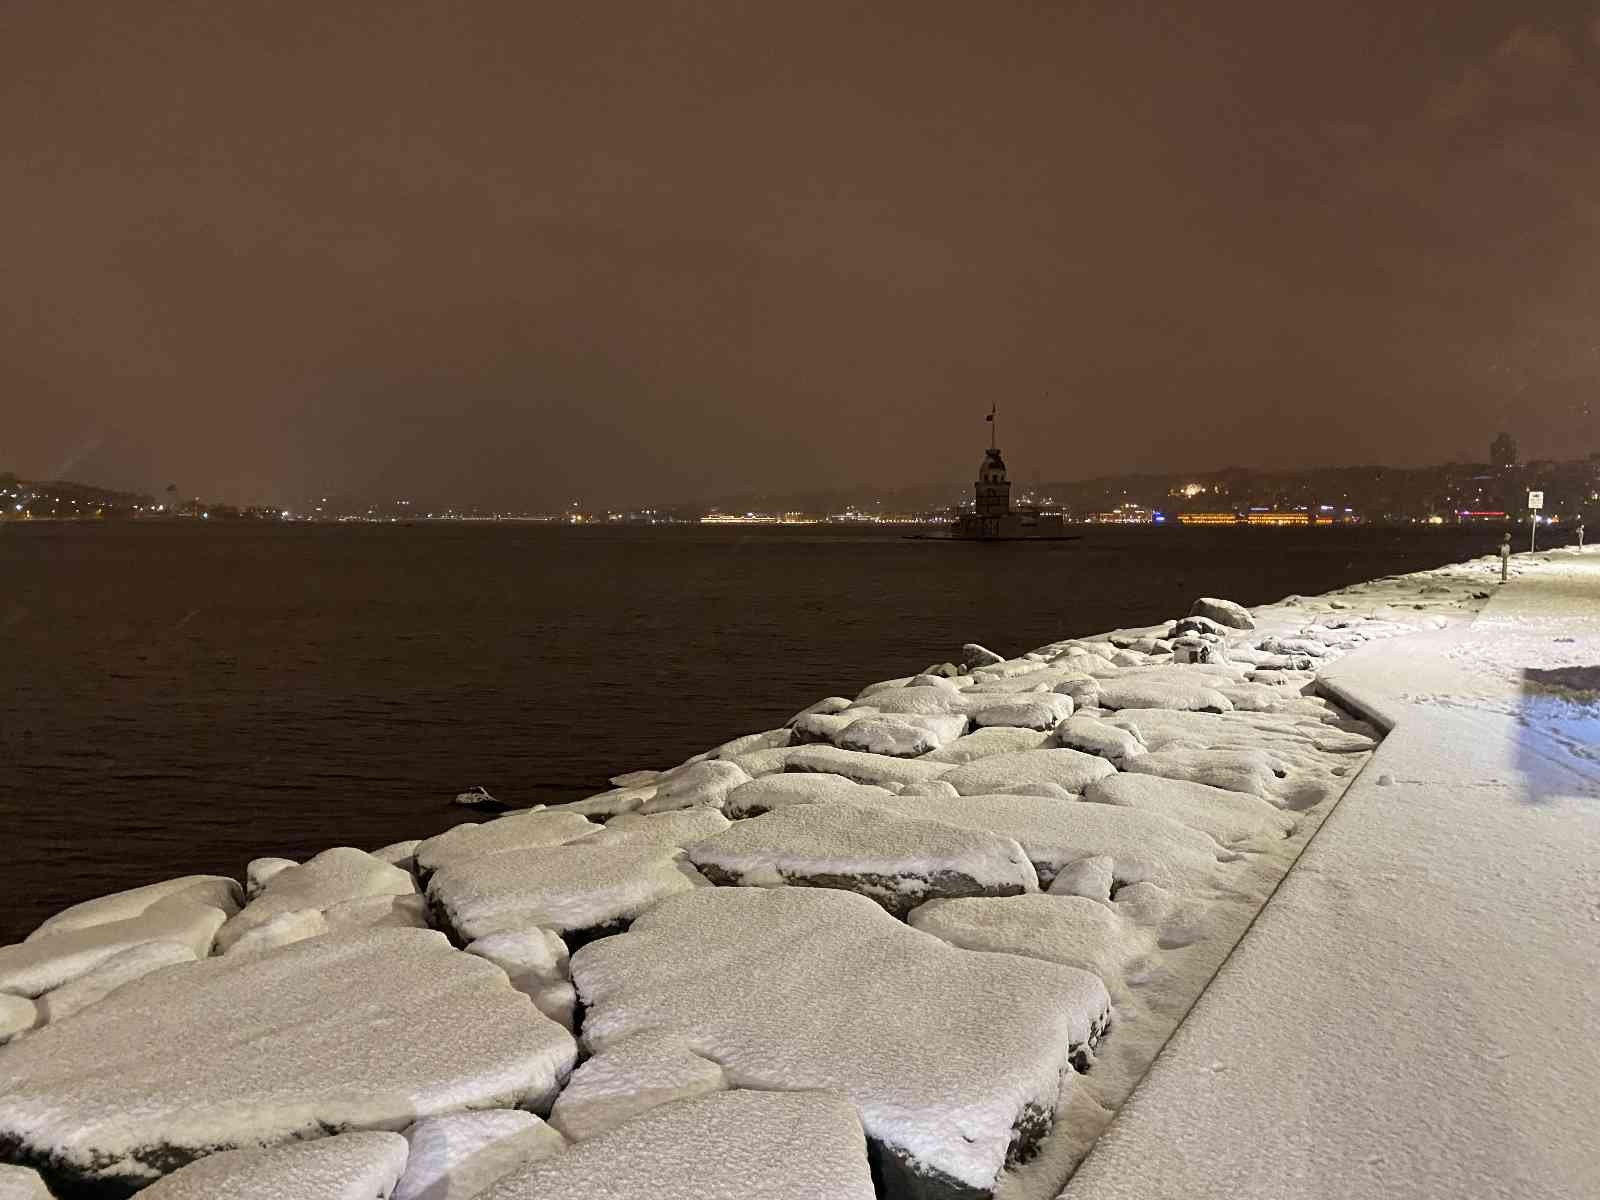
179,697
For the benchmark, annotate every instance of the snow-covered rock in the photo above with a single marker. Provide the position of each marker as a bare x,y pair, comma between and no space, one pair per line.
702,783
577,890
1092,878
399,854
213,891
986,743
828,704
878,769
924,700
896,859
738,1145
372,912
1223,612
18,1014
1072,769
332,877
1164,688
1042,711
1255,772
975,656
933,787
1069,930
900,736
629,1077
368,1030
350,1166
21,1183
455,1157
518,831
811,728
531,958
259,871
680,827
1231,818
1094,736
1199,624
607,804
779,791
44,963
1055,833
953,1059
750,743
133,963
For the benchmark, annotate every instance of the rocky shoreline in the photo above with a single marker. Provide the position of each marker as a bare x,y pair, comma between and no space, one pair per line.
917,943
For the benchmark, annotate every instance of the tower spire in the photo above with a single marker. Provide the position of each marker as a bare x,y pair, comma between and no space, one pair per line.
994,432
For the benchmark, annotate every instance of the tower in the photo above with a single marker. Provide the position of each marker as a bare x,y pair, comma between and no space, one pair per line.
992,490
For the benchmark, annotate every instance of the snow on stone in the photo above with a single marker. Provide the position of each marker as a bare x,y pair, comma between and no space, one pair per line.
828,704
399,854
372,912
21,1183
750,743
259,870
902,736
923,700
877,769
332,877
368,1030
933,787
283,929
1054,833
571,889
18,1014
1223,612
779,791
50,958
883,685
1165,687
518,831
897,859
953,1059
630,1077
1069,930
350,1166
634,779
1094,736
986,743
108,976
214,891
1041,712
1261,773
455,1157
1231,818
701,783
1072,769
535,960
1092,878
668,829
734,1145
607,804
975,656
825,727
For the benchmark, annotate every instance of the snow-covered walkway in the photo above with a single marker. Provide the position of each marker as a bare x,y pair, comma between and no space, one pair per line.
1416,1012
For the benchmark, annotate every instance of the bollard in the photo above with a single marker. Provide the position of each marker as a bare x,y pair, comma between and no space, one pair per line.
1580,535
1505,556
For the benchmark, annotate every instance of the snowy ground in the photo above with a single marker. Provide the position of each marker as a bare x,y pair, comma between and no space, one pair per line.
923,942
1415,1012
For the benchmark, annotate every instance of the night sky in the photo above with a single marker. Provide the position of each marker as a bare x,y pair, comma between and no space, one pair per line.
526,253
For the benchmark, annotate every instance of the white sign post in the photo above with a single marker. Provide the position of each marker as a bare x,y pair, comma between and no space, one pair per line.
1535,503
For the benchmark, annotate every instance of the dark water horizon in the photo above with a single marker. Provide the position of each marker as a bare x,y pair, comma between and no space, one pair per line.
179,698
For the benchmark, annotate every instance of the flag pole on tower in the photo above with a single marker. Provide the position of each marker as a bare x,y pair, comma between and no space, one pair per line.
992,423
